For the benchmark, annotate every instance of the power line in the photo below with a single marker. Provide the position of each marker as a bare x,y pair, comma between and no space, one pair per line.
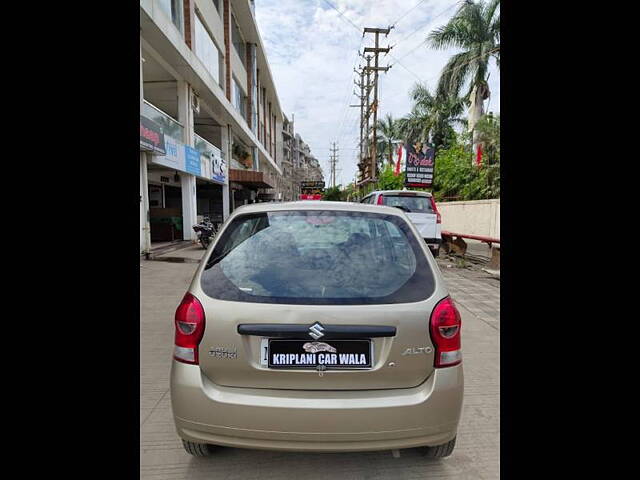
407,12
423,25
342,15
446,70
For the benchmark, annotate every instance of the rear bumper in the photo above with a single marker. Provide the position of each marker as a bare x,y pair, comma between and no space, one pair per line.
319,421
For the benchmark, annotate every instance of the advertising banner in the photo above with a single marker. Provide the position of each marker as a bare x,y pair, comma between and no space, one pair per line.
420,165
151,136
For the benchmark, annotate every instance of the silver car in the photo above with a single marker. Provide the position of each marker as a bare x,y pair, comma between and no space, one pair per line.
357,278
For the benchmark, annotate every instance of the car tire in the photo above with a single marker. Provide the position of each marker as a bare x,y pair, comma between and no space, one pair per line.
435,252
441,451
197,449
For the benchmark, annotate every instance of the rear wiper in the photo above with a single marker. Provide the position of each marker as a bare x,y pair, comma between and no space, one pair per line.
402,207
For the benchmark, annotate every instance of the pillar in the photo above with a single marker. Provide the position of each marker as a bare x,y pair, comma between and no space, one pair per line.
145,227
189,206
226,154
187,180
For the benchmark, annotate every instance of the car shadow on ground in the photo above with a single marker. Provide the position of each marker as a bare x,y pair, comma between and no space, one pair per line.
232,463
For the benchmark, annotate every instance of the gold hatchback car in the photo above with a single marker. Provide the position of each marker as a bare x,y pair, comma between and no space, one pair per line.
320,327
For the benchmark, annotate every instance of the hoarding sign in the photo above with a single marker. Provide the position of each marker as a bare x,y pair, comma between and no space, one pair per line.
420,165
151,136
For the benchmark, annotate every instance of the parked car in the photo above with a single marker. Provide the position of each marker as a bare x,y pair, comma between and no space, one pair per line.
320,327
420,208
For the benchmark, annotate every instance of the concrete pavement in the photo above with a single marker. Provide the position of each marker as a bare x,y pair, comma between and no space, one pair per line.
477,452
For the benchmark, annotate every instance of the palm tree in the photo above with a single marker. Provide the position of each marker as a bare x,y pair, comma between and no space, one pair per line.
431,117
475,28
387,131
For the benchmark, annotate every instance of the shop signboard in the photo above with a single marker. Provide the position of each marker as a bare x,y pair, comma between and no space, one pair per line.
218,165
313,185
151,136
316,196
419,166
173,157
192,161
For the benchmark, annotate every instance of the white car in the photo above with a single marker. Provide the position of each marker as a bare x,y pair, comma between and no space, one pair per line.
421,209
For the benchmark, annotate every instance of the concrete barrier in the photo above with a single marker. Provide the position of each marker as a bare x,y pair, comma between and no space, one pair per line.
474,217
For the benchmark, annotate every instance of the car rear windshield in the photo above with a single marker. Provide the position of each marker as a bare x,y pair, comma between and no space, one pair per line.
318,258
413,203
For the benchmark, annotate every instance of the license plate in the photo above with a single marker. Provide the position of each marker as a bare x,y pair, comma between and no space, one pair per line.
332,354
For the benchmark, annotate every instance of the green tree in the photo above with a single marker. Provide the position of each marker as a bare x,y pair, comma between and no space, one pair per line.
332,194
475,28
488,133
457,178
388,181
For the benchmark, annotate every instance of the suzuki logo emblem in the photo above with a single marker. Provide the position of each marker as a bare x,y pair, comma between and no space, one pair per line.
315,331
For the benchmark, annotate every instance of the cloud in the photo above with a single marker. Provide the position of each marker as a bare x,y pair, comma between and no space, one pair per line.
312,51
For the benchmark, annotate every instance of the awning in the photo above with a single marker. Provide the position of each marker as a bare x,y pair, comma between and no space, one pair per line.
249,178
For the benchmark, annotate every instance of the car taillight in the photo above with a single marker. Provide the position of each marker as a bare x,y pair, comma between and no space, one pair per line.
189,323
381,200
444,326
435,209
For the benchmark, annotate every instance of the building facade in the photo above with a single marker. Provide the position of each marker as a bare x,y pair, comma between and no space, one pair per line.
210,117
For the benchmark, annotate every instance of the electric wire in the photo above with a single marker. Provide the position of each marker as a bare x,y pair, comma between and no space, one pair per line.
407,12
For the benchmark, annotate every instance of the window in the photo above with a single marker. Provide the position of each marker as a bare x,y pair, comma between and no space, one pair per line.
237,40
238,98
207,51
173,9
412,203
318,258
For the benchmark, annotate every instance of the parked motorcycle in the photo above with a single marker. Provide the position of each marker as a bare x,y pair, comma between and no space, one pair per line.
205,231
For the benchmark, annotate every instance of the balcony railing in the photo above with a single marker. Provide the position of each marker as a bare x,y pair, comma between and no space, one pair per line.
205,147
170,127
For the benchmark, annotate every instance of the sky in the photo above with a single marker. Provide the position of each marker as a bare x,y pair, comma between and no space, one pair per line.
312,51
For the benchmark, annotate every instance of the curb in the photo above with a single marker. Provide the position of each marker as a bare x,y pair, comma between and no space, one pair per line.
182,244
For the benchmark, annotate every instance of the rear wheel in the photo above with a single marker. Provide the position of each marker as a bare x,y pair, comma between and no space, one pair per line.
441,451
197,449
435,251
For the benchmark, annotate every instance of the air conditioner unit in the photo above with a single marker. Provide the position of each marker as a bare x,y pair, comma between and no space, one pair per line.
195,102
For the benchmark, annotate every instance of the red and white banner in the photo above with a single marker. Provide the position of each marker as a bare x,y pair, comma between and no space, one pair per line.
399,156
479,156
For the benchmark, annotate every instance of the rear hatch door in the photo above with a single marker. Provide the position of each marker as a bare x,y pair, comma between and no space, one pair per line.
419,210
331,280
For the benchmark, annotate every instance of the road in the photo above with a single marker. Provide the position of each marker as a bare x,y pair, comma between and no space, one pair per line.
477,451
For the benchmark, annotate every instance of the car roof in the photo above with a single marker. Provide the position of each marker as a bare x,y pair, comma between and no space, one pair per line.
317,205
418,193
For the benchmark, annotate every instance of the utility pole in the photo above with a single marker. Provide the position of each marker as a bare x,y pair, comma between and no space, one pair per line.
332,162
365,88
374,106
365,113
